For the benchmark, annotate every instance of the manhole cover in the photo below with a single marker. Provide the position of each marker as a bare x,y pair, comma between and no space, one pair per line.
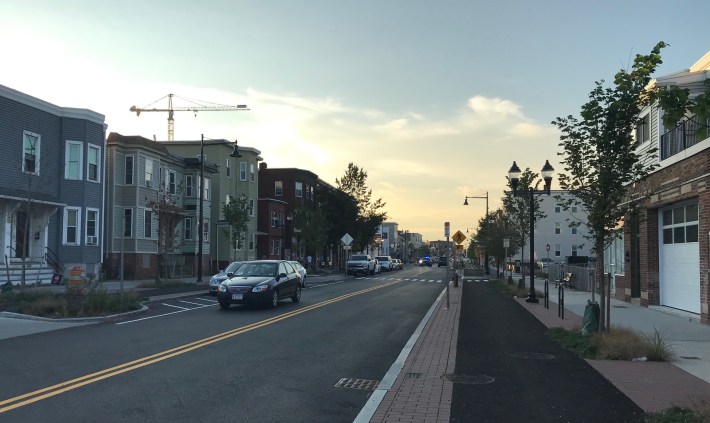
533,355
468,379
365,384
411,375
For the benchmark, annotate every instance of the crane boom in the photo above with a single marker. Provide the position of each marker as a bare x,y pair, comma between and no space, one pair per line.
196,108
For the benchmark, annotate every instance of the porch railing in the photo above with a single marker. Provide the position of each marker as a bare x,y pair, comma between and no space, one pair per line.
683,136
53,261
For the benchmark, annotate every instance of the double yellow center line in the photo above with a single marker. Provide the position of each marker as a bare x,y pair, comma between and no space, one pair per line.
50,391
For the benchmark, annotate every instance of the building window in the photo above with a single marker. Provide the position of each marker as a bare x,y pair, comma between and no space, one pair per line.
574,251
680,224
558,250
92,227
274,219
557,209
188,228
308,192
574,230
127,223
643,130
172,182
188,185
242,171
148,173
129,171
72,160
574,209
276,247
558,230
30,152
252,172
278,188
252,240
299,189
229,169
147,223
94,159
206,230
207,189
72,217
250,207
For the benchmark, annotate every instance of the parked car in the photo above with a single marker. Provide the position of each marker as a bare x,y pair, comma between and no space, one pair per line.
301,271
385,263
443,261
544,262
222,275
398,264
361,263
260,282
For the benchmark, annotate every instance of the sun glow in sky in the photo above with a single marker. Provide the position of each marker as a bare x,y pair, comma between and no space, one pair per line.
433,100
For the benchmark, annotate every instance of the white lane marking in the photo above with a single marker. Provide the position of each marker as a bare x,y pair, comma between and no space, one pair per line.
188,302
172,305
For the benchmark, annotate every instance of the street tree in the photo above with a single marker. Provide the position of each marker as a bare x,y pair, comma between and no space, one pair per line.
339,211
311,229
236,215
492,230
167,213
600,159
370,216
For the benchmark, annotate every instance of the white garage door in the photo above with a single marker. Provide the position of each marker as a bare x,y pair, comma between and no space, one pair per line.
679,261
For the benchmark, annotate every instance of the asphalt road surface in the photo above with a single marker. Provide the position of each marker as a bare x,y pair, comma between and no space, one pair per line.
186,360
507,370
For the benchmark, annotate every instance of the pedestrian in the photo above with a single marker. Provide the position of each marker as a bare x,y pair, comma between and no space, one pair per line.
456,279
309,258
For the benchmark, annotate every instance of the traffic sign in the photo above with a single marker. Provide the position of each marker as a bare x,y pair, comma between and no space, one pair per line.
459,237
446,229
346,239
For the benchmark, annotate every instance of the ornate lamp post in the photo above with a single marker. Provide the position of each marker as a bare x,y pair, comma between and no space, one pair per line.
514,176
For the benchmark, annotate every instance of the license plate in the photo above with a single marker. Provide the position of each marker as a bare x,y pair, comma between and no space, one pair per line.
237,296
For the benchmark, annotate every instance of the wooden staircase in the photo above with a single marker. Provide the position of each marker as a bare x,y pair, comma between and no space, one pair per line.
36,272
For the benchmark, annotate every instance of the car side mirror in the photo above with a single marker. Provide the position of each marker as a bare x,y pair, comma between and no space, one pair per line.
281,275
230,274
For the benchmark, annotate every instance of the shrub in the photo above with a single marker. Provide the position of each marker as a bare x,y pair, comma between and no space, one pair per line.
679,415
619,344
574,341
71,303
658,348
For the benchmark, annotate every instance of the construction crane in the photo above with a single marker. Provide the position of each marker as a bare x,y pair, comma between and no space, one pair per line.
197,107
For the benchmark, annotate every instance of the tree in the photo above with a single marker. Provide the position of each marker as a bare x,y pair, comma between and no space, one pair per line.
517,210
236,214
168,214
369,216
491,233
599,155
678,106
310,228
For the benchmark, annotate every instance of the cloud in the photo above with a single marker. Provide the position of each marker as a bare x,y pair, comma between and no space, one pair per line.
491,107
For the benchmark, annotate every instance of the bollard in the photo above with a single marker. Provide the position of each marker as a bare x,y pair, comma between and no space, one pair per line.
547,294
561,301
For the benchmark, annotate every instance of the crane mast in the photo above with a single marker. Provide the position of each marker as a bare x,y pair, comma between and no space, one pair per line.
196,108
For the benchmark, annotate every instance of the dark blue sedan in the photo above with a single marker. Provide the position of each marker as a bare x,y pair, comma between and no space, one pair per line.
261,282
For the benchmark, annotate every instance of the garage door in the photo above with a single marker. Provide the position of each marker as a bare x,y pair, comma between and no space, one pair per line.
679,261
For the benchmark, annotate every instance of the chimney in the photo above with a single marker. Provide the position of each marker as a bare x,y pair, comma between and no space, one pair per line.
262,166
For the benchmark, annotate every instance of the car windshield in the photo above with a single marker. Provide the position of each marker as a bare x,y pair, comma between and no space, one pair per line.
296,265
257,269
358,257
233,266
382,259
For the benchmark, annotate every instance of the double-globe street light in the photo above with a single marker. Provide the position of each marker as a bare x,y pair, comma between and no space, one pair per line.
514,177
465,203
201,224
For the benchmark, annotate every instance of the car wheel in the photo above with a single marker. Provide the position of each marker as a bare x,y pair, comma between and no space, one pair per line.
303,282
274,299
223,305
297,297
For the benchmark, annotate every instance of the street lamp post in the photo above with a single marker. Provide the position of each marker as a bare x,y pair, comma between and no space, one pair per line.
465,203
201,228
514,176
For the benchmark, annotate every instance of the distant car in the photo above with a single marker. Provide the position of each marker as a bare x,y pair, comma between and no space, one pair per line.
443,261
385,263
398,265
222,275
545,262
425,261
301,271
260,282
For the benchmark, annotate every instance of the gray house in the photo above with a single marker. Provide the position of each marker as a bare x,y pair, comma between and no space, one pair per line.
51,190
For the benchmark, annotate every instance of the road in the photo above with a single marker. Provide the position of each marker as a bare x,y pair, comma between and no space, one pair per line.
187,360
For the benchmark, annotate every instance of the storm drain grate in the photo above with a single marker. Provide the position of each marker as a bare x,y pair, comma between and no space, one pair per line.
411,375
365,384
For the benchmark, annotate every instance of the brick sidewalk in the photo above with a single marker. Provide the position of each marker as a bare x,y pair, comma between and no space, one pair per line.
420,393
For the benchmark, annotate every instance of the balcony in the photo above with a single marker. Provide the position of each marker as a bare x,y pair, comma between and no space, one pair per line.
683,136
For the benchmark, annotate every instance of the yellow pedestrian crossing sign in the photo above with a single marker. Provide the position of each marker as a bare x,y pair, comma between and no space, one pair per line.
459,237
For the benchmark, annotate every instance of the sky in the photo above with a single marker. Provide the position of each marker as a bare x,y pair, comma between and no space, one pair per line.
434,100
